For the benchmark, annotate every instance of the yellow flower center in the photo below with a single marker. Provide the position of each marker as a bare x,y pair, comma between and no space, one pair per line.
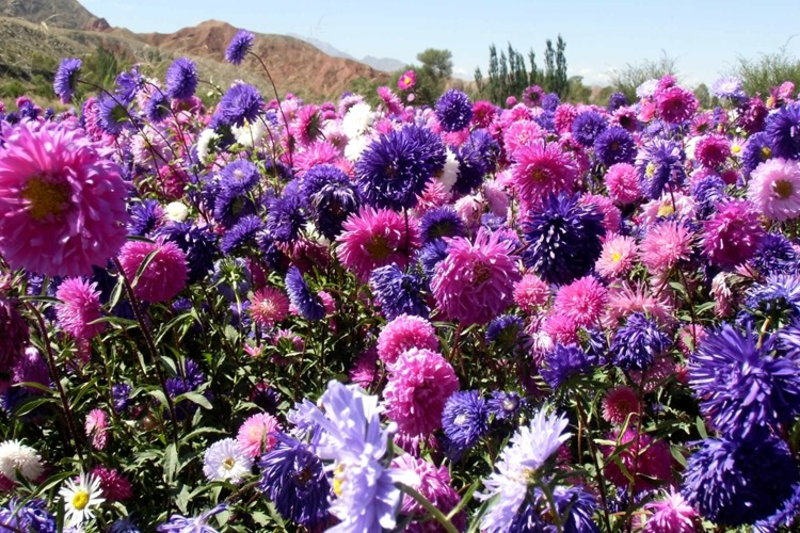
538,175
228,463
650,169
766,152
665,210
80,500
783,189
616,256
736,148
46,198
338,479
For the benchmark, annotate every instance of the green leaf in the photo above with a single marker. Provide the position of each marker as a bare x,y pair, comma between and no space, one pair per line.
701,427
197,398
170,463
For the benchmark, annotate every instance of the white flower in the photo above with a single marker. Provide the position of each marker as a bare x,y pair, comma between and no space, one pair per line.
449,174
176,211
15,456
225,461
81,498
356,145
205,141
357,120
250,134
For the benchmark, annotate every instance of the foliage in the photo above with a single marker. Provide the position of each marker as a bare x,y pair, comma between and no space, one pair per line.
766,71
627,79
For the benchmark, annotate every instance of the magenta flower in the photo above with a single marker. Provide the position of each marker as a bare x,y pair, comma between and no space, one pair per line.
79,308
163,277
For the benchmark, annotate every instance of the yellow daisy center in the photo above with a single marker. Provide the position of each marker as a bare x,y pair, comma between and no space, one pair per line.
80,500
783,188
736,148
338,479
46,198
665,210
766,152
650,169
228,463
616,256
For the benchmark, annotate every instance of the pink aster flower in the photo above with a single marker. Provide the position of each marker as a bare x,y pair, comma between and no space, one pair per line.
365,371
316,153
521,133
432,482
617,257
775,188
391,100
582,301
712,150
97,428
542,169
732,235
560,328
115,486
648,461
651,379
62,200
407,81
625,299
80,306
420,381
564,116
619,403
163,277
403,333
531,292
14,335
611,213
622,182
475,282
671,515
257,434
374,238
665,245
269,305
670,203
675,104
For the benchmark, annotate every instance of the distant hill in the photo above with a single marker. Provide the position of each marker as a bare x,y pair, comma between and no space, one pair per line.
384,64
37,34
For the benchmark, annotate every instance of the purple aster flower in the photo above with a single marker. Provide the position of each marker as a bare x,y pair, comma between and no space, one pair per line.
285,214
430,254
757,150
504,405
331,198
779,293
242,102
482,142
394,170
576,507
128,84
587,126
239,46
236,180
661,163
293,478
708,192
307,303
120,394
145,217
729,87
157,108
465,420
112,115
454,110
783,129
189,378
735,482
506,331
742,388
550,102
198,524
367,497
784,518
615,101
198,243
471,169
615,145
776,256
243,233
441,222
124,525
526,455
397,292
637,344
563,239
752,115
564,362
181,79
66,79
30,516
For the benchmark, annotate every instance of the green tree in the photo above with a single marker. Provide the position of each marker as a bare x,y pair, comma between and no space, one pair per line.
760,74
629,78
432,76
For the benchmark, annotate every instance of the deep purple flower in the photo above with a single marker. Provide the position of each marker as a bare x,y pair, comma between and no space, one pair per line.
145,217
198,243
112,115
563,239
661,163
615,145
66,79
120,393
563,362
637,344
465,419
741,386
735,482
181,79
243,233
239,46
454,110
615,101
241,103
157,108
504,405
285,214
397,292
757,150
783,129
306,302
441,222
236,180
587,126
330,198
394,169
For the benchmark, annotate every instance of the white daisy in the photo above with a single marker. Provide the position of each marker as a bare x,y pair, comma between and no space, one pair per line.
249,135
449,174
206,141
17,457
357,120
176,211
81,498
225,461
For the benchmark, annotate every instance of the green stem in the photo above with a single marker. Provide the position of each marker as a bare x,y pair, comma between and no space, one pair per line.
434,512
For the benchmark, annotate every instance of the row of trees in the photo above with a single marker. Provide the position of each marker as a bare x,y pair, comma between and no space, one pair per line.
508,74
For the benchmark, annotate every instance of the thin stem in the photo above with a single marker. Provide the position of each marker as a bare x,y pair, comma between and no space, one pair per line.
278,98
434,512
151,346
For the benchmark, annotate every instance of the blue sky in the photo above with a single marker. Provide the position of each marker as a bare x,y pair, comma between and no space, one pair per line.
704,36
